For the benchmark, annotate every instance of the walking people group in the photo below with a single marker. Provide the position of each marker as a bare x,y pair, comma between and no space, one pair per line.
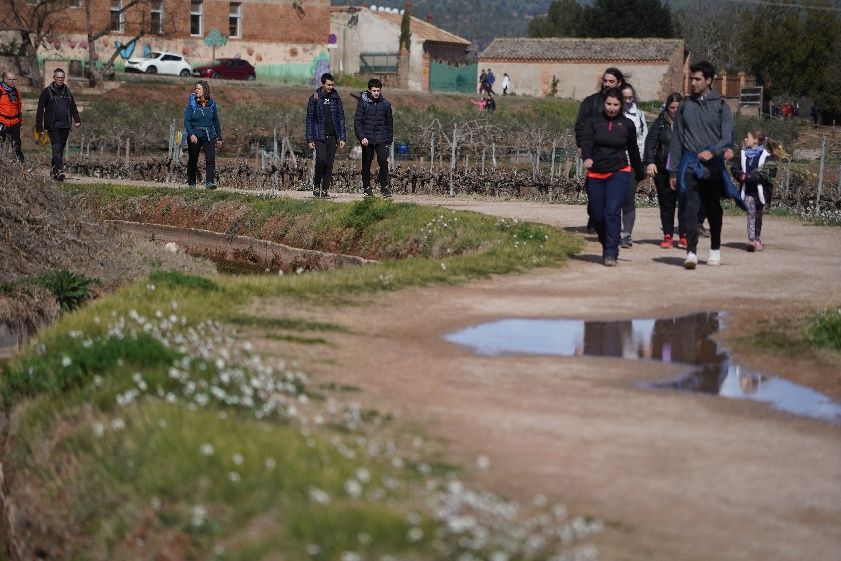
684,152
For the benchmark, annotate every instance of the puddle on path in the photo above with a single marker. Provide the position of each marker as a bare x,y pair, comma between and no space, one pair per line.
686,340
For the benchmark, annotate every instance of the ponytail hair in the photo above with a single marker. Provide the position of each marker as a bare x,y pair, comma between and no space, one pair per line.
772,146
775,149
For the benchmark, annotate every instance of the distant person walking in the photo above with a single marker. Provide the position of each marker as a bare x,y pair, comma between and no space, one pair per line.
373,125
629,207
11,118
658,143
57,114
703,132
611,156
489,82
816,114
506,83
325,132
755,171
593,104
204,132
483,81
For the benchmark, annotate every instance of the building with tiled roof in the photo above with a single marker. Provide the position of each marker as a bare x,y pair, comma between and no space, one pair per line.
367,42
654,66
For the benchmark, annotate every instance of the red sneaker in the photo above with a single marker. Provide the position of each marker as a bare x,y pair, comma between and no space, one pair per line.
681,242
667,241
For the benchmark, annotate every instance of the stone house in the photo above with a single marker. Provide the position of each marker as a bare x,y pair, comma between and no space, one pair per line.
286,40
367,44
655,67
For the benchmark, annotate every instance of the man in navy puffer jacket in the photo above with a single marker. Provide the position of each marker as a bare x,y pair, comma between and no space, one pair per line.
374,127
325,124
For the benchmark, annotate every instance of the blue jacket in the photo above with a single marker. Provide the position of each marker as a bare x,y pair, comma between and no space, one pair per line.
373,120
202,121
689,160
315,116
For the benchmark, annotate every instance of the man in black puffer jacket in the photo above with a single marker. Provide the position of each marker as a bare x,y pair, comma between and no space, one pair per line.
374,128
57,114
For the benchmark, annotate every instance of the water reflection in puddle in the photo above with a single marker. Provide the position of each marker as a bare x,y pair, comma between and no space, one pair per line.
686,340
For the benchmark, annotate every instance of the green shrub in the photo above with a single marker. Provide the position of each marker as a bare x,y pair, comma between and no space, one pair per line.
70,289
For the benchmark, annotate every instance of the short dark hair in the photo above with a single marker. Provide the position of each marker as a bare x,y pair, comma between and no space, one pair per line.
704,67
374,83
615,93
59,70
327,76
616,73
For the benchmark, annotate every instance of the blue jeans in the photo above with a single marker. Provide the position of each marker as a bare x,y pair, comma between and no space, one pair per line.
604,203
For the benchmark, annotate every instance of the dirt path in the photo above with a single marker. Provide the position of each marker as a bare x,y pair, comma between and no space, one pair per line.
675,476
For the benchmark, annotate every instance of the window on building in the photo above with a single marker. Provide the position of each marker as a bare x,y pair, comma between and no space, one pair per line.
118,16
378,63
235,20
156,23
196,17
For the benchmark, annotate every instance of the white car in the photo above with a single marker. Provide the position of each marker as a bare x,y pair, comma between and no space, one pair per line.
160,63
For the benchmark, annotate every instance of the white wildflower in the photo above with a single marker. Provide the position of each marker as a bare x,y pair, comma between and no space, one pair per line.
65,361
233,477
118,424
483,462
319,496
207,449
353,488
270,464
415,535
238,459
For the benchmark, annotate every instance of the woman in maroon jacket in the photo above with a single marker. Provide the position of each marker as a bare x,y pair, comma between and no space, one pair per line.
608,140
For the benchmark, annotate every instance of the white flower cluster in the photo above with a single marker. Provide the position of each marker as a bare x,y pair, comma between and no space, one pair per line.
428,239
481,525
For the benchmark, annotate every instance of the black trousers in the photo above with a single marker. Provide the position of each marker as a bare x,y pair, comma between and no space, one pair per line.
381,150
12,134
193,150
58,138
702,194
667,201
325,153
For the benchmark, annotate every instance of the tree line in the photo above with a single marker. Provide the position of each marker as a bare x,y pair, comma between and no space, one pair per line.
793,48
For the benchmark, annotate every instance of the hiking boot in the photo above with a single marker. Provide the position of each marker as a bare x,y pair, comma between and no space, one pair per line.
667,241
591,229
367,193
627,242
387,195
609,261
691,261
191,186
758,245
210,186
750,247
714,258
703,232
681,241
325,195
316,194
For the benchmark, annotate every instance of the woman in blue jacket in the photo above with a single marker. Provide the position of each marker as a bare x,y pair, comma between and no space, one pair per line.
201,121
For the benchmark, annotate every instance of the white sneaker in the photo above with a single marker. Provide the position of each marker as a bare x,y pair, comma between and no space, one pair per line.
715,257
690,261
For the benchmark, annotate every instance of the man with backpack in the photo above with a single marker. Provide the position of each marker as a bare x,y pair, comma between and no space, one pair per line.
57,114
373,125
10,113
325,125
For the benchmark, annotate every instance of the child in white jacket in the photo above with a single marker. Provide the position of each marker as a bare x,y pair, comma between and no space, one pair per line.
755,171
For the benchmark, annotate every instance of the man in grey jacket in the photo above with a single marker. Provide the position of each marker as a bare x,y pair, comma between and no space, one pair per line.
703,133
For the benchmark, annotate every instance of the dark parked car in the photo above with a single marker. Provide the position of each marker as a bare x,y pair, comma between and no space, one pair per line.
227,69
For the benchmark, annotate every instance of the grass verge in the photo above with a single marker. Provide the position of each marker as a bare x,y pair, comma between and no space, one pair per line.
141,426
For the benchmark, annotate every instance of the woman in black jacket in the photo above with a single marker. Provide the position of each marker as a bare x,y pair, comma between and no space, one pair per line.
608,141
657,146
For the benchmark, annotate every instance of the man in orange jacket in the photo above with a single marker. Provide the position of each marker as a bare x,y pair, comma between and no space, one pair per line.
10,113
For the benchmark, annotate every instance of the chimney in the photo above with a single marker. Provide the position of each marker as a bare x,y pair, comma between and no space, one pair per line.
429,16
